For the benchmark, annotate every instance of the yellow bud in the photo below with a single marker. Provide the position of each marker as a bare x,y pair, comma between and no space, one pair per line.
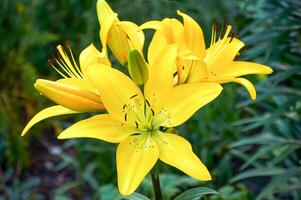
69,96
137,67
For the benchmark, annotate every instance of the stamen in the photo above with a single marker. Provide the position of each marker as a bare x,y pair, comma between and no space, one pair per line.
125,117
232,34
73,60
136,124
133,96
68,68
147,102
213,34
221,35
50,63
153,112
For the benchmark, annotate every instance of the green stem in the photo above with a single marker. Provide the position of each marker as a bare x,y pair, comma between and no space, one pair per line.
156,184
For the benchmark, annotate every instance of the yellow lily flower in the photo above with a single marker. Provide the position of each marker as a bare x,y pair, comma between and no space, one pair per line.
74,93
214,64
121,36
136,120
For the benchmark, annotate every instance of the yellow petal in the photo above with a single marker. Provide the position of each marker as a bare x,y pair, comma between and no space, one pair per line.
104,31
135,157
248,85
79,83
194,37
184,100
151,25
190,69
119,43
156,46
198,71
135,36
103,127
116,88
171,29
91,55
177,152
160,78
240,68
47,113
106,18
69,95
104,11
222,53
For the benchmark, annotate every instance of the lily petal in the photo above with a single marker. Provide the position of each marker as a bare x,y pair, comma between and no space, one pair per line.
184,100
248,85
177,152
116,89
136,36
194,38
104,11
160,78
197,72
151,25
104,31
220,55
241,68
69,95
47,113
91,55
104,127
135,157
79,83
156,46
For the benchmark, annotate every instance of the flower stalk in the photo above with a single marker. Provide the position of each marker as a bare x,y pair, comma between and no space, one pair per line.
156,183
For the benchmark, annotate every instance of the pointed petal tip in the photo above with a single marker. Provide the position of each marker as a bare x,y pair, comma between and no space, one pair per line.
269,70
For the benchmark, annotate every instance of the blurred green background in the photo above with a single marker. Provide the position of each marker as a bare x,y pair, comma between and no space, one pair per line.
252,148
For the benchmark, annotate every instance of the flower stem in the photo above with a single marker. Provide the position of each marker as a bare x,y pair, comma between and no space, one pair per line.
156,183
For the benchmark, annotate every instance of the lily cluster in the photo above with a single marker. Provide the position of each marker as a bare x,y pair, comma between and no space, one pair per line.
138,108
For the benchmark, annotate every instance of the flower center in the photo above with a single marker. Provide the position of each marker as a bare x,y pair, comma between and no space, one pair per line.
139,113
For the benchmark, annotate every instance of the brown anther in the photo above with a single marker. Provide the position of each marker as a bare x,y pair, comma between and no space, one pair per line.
223,31
147,102
125,117
136,124
67,44
232,34
133,96
153,112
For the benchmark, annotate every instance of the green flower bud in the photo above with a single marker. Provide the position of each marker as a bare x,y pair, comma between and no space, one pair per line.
137,66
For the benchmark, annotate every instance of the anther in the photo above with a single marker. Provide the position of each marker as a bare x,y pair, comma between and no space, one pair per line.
232,35
124,106
67,44
133,96
147,102
136,124
153,112
49,62
215,24
125,117
221,35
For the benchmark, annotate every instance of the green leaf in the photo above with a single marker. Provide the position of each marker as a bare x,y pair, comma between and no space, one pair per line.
135,196
258,172
195,193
